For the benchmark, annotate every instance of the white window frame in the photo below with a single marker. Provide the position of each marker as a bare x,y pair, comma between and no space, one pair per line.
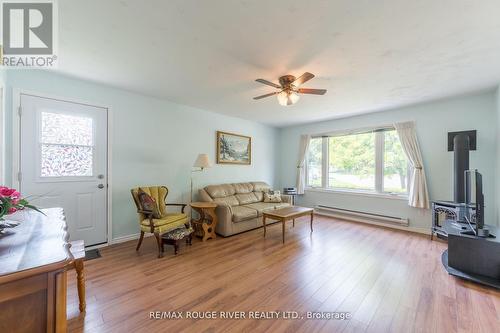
379,166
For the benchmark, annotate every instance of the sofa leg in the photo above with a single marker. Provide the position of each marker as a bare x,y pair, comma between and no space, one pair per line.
158,242
140,241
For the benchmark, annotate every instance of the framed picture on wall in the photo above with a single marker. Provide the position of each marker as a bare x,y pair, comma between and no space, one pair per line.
233,148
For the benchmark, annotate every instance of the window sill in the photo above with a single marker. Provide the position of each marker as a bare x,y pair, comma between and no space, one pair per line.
359,193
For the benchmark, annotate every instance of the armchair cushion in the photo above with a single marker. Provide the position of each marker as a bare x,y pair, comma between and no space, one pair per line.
168,218
167,223
148,204
158,193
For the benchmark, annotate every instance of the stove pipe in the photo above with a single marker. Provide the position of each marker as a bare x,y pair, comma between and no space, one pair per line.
461,147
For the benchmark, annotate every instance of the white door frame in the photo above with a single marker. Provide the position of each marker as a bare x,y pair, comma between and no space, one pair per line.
16,148
2,136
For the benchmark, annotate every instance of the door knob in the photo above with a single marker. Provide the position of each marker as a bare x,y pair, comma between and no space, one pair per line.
100,186
100,176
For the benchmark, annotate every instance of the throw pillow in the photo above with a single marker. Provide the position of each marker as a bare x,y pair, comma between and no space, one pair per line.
148,204
272,196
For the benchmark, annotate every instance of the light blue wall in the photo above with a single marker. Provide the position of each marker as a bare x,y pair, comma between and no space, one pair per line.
498,155
154,141
433,121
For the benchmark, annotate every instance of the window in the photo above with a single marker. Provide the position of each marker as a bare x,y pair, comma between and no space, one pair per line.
66,145
371,161
351,161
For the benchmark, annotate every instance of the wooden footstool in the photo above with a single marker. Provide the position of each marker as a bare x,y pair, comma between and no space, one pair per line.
173,237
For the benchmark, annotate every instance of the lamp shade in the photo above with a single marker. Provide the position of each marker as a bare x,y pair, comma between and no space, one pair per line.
202,161
286,98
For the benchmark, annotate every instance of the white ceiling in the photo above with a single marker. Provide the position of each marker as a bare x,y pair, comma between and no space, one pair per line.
370,55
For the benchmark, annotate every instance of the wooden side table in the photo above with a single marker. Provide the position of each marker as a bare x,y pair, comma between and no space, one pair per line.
204,227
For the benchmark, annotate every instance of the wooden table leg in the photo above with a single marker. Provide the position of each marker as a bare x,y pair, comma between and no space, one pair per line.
206,233
283,229
312,221
80,278
210,228
264,222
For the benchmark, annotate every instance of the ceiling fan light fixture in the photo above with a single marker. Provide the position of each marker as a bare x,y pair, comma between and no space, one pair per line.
289,88
286,98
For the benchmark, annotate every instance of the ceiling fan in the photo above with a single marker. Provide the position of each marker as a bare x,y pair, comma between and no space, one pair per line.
289,88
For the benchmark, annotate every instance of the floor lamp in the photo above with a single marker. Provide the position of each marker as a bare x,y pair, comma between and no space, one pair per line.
199,165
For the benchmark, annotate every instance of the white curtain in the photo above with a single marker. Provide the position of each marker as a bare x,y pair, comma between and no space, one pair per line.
301,166
418,195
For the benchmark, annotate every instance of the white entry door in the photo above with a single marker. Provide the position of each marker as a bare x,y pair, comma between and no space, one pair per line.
63,162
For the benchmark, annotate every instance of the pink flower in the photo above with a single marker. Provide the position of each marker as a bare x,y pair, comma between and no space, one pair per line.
7,192
2,189
12,210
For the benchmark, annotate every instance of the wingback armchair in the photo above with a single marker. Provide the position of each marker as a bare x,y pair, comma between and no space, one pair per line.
168,221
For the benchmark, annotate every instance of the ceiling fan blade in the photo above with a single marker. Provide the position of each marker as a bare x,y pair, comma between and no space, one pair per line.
312,91
303,78
268,83
267,95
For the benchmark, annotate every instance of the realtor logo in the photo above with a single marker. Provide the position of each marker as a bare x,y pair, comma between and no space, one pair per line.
28,33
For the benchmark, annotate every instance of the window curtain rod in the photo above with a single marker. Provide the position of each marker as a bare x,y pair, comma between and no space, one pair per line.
374,129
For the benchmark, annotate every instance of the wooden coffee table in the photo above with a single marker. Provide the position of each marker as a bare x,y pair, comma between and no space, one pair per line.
285,214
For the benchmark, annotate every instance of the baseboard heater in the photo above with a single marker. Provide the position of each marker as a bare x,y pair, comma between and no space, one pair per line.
362,216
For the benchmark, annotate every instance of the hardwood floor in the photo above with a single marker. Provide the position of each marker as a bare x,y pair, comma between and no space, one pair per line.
389,281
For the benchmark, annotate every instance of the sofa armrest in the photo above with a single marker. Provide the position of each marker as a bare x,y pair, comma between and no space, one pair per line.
223,209
204,196
286,198
225,219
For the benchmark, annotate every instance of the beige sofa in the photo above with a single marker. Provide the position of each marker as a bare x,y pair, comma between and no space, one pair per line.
240,206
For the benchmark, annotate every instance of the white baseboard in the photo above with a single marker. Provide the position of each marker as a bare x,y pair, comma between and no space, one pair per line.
424,231
127,238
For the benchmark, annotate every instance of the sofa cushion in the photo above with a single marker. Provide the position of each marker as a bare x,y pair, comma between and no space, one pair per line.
220,191
242,213
266,206
243,187
275,197
259,195
260,187
229,200
246,198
